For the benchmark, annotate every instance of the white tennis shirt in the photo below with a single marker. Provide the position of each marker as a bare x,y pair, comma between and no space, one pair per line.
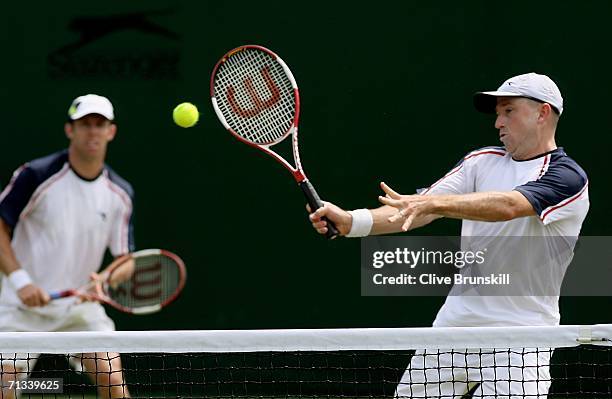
63,223
557,188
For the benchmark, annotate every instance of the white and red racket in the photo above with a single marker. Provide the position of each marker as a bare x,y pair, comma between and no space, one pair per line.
140,283
256,98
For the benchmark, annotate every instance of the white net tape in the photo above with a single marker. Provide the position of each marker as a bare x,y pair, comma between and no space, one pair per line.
307,339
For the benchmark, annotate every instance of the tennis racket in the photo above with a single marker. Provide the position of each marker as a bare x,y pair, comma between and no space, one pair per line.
139,283
257,100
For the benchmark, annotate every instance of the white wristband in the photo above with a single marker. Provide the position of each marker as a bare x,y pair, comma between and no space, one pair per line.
362,223
19,279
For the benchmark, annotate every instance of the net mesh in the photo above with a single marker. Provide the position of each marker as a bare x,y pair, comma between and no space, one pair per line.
369,363
255,96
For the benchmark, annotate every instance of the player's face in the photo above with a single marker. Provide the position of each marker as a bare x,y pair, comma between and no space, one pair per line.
90,135
517,121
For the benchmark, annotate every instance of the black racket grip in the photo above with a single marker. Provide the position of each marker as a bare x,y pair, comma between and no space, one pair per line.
315,203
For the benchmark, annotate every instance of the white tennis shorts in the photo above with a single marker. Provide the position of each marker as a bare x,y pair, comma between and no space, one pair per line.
87,316
499,374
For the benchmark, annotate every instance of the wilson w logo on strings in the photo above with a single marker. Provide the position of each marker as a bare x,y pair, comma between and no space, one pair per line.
145,283
258,103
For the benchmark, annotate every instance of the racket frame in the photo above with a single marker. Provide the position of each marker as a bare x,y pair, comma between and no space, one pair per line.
296,171
98,289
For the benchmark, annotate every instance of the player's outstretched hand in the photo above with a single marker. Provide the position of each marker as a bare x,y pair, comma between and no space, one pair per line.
33,295
341,218
409,207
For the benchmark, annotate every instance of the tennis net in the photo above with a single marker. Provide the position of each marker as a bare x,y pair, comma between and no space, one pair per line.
513,362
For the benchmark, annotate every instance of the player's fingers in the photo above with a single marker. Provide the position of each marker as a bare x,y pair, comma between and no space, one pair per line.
322,230
390,201
408,222
28,301
389,191
38,297
44,297
33,300
84,297
316,215
322,211
314,218
398,216
319,225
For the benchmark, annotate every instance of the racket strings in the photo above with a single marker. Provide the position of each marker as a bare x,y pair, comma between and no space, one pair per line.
255,96
154,280
252,66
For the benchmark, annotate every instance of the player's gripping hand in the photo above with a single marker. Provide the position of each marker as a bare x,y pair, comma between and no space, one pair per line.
86,296
341,218
33,295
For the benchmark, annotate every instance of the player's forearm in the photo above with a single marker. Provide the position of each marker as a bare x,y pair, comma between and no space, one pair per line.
381,224
21,281
8,261
487,206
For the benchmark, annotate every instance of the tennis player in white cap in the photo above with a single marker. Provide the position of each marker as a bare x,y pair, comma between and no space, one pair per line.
529,187
58,215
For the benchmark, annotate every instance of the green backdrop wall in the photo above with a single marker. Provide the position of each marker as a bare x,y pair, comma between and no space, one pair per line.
386,90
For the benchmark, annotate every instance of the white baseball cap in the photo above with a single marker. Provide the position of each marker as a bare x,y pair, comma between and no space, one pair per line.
534,86
91,104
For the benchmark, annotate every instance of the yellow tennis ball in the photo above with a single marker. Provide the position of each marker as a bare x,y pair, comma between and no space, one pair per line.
185,115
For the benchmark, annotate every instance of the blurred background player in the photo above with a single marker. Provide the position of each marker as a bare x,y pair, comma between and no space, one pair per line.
58,216
527,188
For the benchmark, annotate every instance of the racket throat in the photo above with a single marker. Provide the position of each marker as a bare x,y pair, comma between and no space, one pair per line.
300,177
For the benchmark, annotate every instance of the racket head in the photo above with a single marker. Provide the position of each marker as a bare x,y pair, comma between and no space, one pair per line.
255,95
143,282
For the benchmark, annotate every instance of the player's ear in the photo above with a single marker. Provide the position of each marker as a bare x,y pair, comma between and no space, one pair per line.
112,132
68,129
545,111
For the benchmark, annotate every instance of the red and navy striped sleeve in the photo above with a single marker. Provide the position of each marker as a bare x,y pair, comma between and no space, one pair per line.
17,194
24,183
558,188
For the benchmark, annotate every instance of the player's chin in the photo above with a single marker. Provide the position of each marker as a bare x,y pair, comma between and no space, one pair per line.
508,147
93,153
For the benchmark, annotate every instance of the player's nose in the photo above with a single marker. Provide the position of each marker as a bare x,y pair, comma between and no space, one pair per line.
499,122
